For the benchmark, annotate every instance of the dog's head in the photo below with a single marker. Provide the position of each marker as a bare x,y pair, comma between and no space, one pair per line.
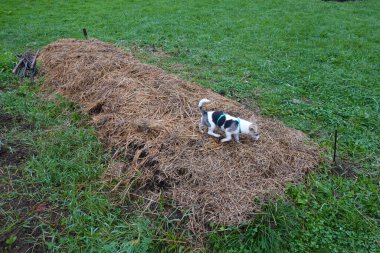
253,129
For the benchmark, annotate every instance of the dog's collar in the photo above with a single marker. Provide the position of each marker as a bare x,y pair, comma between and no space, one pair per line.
221,116
238,120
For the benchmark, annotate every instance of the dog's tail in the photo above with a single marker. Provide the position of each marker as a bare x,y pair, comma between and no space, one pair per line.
200,105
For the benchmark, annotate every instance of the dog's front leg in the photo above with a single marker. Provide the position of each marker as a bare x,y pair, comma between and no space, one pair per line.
236,136
228,137
211,132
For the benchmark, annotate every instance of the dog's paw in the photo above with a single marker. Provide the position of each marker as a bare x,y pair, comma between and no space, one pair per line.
225,140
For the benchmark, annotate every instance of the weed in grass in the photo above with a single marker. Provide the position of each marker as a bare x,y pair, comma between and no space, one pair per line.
7,60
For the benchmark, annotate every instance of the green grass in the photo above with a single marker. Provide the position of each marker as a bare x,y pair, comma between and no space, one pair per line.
312,64
328,214
323,54
64,176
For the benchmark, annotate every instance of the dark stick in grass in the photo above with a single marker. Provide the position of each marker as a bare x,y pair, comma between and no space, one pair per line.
85,33
335,140
24,70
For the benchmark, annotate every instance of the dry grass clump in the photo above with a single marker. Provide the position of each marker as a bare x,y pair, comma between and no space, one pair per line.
151,118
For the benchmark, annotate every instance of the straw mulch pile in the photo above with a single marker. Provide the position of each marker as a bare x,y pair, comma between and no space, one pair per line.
150,118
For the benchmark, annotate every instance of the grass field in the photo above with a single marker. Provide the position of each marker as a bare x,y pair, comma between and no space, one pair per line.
312,64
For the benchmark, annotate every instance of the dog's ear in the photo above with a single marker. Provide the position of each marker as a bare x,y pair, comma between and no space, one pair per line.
253,127
252,118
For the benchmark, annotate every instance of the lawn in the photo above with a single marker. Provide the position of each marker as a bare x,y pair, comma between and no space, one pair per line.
312,64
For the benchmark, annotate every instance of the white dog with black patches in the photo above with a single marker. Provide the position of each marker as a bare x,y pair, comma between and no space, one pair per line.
230,125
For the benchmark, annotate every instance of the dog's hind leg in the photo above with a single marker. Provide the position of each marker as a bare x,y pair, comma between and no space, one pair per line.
211,132
228,137
204,122
200,126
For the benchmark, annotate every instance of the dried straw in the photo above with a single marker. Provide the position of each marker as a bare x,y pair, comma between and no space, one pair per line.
151,117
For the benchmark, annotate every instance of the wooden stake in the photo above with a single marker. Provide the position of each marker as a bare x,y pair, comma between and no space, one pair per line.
85,33
335,141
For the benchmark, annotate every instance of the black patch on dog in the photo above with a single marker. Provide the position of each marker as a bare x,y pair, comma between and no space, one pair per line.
228,123
215,116
231,125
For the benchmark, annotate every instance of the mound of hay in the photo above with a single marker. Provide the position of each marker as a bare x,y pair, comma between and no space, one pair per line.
151,117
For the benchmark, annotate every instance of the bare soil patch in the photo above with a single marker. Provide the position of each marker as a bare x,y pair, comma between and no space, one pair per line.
7,121
13,155
345,168
24,232
150,118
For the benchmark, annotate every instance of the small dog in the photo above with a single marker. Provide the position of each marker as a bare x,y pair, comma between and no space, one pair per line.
230,125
